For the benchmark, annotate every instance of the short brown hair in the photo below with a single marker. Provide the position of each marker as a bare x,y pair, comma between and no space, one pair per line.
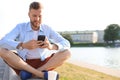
35,5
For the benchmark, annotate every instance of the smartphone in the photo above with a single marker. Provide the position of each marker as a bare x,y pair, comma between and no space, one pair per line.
41,37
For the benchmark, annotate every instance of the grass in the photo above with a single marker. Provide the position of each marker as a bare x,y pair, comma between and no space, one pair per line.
69,71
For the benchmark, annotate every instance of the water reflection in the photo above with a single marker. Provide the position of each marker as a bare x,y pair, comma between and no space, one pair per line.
113,57
108,57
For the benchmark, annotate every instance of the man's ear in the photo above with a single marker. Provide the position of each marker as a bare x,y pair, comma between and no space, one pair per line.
29,14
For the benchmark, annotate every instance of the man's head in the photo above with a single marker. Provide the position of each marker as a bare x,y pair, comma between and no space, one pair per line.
35,14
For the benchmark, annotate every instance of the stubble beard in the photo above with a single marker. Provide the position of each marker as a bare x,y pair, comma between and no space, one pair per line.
35,25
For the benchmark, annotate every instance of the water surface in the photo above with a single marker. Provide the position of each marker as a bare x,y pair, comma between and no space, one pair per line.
106,57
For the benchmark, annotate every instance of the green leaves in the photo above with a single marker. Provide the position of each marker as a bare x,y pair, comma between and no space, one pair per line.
112,33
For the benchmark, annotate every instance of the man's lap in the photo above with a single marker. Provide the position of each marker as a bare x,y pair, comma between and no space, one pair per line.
36,63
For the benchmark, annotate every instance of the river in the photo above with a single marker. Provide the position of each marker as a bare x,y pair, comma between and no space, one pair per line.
101,56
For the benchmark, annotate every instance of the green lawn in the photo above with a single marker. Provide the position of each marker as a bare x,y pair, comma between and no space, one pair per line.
72,72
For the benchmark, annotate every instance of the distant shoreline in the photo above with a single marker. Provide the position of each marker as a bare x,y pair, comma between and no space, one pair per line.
109,71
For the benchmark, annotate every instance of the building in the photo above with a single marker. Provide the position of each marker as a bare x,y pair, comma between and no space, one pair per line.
96,36
84,37
100,34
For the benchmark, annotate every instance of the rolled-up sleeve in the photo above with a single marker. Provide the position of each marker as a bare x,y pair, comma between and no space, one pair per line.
60,41
63,45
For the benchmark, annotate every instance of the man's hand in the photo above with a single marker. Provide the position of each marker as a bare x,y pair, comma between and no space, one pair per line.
32,44
47,44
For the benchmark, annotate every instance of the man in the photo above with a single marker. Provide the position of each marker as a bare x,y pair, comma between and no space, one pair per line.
34,57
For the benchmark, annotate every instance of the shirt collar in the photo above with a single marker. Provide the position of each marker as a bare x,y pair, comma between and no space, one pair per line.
29,28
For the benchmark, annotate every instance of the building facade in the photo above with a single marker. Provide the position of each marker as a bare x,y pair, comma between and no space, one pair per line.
96,36
84,37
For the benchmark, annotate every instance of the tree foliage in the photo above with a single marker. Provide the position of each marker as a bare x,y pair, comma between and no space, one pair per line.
111,33
67,36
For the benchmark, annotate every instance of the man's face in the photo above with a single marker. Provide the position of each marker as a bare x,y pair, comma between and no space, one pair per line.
35,18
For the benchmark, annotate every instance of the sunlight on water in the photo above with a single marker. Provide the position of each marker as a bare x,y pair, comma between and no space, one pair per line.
108,57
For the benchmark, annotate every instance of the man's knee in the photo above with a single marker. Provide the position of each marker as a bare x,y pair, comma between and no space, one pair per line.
66,53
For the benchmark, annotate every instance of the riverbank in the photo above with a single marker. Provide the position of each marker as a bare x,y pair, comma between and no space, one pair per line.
69,71
105,70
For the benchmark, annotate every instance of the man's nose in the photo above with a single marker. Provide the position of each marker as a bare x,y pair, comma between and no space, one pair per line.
37,18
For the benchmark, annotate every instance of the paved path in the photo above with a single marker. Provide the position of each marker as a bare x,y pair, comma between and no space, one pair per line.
6,73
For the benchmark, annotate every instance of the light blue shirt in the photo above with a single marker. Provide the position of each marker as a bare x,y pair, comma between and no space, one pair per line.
23,33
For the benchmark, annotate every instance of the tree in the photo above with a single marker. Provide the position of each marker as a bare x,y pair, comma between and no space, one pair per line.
67,36
111,33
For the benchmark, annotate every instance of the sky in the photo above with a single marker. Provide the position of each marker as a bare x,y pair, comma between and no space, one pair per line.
62,15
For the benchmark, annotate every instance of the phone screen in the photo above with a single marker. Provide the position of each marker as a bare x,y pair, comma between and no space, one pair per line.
41,37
